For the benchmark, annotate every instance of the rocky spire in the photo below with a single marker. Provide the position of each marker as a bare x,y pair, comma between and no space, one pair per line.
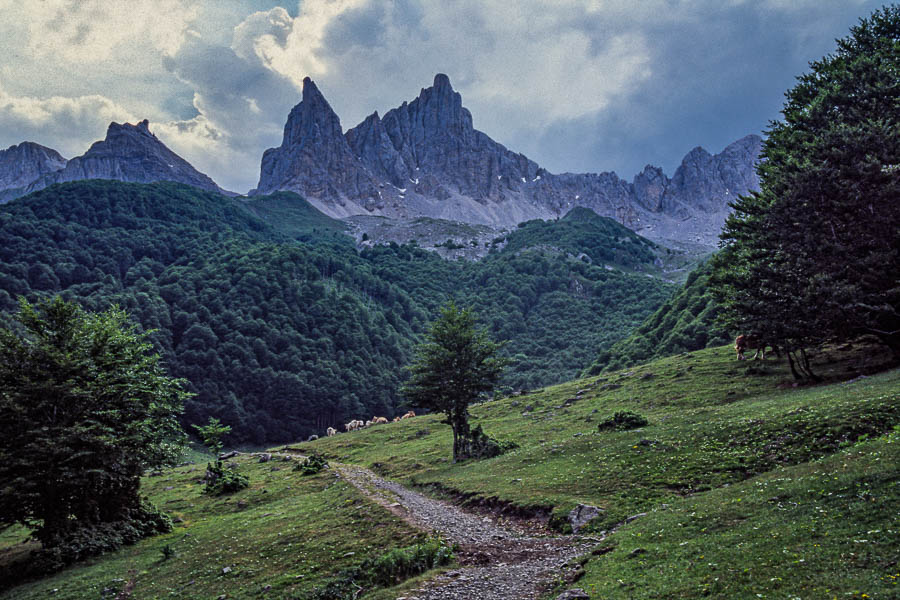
315,160
370,143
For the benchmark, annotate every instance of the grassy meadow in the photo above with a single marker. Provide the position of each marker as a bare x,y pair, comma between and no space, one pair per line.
742,485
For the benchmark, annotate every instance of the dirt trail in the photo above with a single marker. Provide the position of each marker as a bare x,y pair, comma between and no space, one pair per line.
497,562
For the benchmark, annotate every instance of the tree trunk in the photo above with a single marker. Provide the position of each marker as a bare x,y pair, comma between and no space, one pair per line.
461,435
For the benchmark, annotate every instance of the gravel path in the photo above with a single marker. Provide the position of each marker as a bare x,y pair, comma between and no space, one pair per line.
497,562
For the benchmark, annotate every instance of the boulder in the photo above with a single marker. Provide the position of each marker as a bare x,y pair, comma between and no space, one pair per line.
582,514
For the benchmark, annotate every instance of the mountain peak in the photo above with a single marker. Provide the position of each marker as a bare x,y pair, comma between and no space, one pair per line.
128,153
441,81
22,163
311,91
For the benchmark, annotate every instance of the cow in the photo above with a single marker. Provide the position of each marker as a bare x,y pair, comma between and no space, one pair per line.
368,424
751,342
331,431
408,415
354,425
379,420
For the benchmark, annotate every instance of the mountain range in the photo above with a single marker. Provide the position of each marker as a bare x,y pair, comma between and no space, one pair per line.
421,159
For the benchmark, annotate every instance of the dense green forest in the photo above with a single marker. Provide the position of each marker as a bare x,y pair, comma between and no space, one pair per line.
280,325
686,322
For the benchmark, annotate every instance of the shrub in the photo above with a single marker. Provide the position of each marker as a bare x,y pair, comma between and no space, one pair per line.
314,463
385,570
623,420
221,480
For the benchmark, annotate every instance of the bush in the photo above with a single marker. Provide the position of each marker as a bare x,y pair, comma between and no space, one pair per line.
622,421
314,463
220,480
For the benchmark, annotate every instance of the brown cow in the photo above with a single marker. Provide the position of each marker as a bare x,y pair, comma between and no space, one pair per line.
379,420
751,342
408,415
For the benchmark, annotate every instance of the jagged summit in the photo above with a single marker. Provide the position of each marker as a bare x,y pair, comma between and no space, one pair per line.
315,160
21,164
128,153
425,158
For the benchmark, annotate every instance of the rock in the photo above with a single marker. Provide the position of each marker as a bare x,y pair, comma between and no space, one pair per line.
242,504
425,158
228,455
636,552
582,514
226,570
312,438
24,163
265,457
574,594
128,153
633,517
316,161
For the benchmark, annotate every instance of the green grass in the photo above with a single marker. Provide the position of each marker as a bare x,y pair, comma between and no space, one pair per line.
286,531
825,529
752,488
716,427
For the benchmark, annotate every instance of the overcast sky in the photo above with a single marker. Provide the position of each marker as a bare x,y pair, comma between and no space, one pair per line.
576,85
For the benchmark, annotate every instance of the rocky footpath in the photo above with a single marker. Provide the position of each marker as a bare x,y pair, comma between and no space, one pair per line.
496,561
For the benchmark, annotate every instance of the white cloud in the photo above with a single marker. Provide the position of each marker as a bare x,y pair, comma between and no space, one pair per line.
62,123
91,31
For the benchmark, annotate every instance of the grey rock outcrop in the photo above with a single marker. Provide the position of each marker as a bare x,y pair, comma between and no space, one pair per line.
316,161
425,158
129,153
22,164
583,514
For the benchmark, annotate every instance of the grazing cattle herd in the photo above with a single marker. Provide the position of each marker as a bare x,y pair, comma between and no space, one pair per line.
359,424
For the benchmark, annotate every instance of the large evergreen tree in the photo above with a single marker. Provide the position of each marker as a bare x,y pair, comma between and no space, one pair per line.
815,255
85,408
456,364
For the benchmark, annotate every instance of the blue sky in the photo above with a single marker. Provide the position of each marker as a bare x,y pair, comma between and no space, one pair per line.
576,85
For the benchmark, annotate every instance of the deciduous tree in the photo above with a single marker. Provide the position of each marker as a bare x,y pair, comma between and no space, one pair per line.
457,363
85,408
815,255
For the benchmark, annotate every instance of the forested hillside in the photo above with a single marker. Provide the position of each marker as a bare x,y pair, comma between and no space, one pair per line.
686,322
279,324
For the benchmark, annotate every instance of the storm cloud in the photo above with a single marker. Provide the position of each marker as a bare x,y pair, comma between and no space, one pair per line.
577,85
